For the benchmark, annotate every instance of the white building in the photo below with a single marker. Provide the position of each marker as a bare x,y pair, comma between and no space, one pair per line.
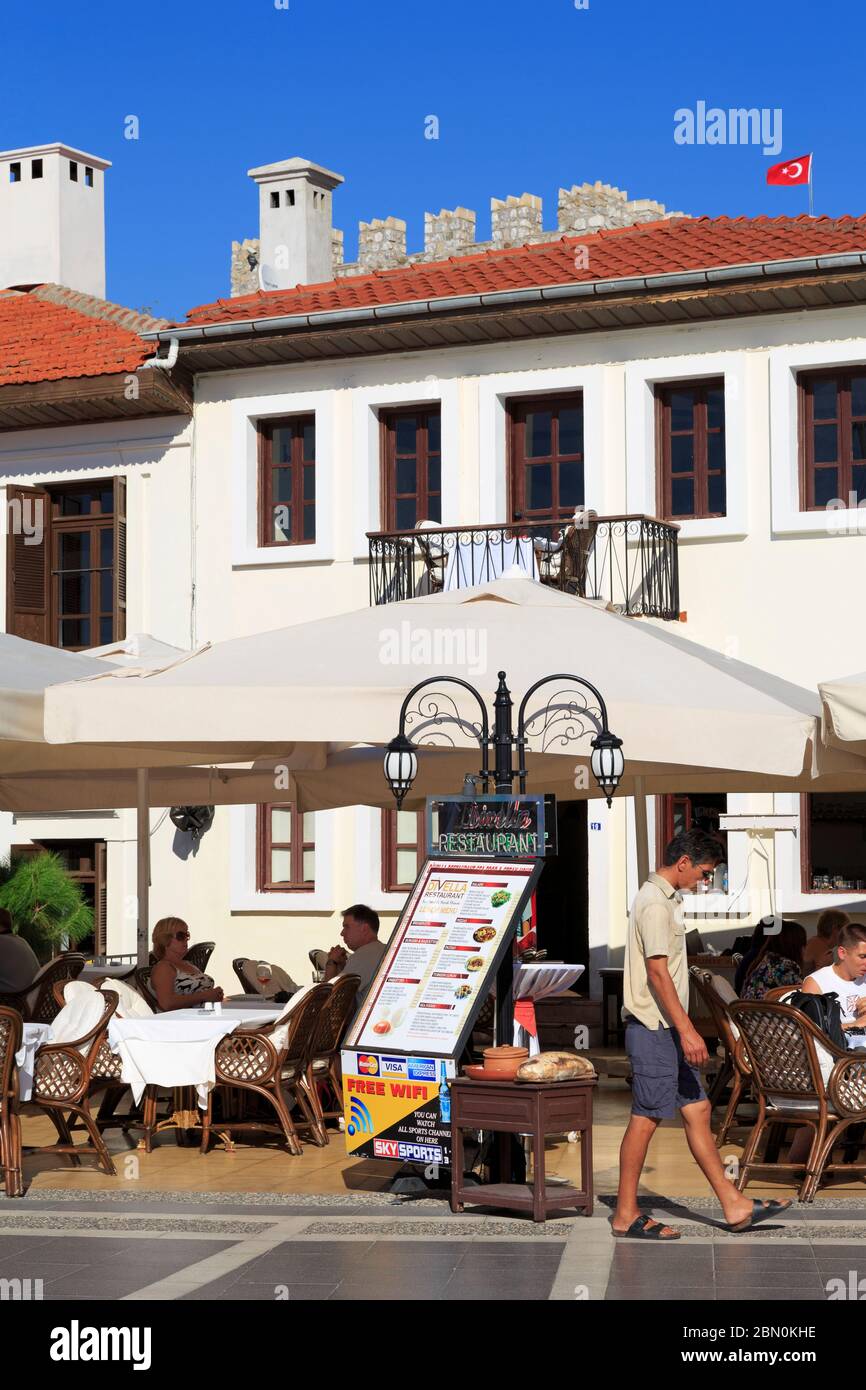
703,374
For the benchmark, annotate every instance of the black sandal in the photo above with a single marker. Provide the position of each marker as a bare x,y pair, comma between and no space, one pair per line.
761,1211
645,1228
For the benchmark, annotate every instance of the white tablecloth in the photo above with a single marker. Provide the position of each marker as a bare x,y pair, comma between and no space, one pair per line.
478,563
177,1048
536,982
33,1035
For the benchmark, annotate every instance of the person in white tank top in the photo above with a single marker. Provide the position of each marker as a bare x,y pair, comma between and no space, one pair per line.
846,977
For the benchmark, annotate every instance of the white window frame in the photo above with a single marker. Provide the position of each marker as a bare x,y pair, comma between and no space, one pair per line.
495,392
246,415
244,895
641,380
368,405
786,364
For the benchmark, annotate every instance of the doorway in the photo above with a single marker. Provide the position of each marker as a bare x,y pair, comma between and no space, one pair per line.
562,895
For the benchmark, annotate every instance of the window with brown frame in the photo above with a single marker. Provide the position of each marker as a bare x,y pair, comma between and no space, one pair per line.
546,470
678,812
691,449
833,842
402,849
832,408
287,481
66,581
286,849
411,467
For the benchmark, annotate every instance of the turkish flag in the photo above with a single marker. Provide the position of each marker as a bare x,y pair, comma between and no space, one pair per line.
792,171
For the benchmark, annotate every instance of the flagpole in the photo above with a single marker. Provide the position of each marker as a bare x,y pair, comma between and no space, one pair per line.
811,202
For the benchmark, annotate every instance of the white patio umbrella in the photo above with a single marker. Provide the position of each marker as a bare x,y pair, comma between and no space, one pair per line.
843,704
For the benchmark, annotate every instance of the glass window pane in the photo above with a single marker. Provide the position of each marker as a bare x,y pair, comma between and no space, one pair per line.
310,483
309,522
106,591
858,481
571,484
407,475
309,866
858,395
75,504
75,632
282,522
716,408
75,593
106,501
434,433
407,827
434,509
434,474
682,497
106,546
406,514
682,453
571,431
716,494
825,443
537,435
682,410
106,631
405,430
74,550
826,486
310,440
407,865
539,487
716,450
281,866
858,439
824,398
281,825
282,484
309,830
281,445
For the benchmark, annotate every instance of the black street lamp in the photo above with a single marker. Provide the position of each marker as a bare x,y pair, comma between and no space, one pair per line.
559,723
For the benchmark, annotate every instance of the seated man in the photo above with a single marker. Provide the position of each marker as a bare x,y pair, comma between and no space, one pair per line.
846,977
361,935
18,964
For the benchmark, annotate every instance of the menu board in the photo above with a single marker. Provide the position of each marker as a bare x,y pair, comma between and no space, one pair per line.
442,959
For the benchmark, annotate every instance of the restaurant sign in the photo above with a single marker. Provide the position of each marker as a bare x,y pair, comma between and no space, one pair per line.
502,826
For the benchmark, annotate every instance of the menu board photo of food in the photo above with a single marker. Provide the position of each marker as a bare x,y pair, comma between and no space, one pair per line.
440,962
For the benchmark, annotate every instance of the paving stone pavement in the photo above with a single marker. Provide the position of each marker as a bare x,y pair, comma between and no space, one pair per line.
153,1246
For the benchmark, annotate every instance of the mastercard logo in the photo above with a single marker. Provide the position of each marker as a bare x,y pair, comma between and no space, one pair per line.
368,1065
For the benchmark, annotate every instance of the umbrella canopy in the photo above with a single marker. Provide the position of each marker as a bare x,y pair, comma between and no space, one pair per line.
679,708
843,705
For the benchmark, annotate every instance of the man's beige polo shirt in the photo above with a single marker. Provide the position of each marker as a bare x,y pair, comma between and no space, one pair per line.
656,927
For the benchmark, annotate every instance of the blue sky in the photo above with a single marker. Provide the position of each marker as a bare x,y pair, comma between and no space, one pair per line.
530,94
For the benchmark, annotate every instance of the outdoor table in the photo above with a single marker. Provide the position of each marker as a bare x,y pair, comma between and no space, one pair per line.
533,982
177,1048
522,1107
484,561
33,1035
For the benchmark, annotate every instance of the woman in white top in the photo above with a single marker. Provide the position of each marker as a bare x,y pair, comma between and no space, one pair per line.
846,977
176,983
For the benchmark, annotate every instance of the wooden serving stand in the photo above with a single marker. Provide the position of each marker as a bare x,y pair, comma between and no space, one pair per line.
523,1107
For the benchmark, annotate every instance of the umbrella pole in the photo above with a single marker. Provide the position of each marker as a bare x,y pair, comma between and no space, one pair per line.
641,832
142,789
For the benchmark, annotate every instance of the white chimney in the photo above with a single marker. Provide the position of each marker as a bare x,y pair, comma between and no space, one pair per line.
295,222
52,218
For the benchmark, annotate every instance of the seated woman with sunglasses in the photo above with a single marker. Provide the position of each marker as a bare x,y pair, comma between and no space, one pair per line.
176,983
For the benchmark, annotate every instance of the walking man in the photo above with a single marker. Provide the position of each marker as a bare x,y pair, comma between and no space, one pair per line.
664,1048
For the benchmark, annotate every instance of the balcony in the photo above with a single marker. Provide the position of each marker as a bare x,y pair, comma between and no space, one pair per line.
628,561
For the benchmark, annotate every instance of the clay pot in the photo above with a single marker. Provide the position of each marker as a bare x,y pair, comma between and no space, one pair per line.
502,1062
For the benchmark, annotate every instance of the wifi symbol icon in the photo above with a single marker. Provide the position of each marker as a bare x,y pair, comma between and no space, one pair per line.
360,1119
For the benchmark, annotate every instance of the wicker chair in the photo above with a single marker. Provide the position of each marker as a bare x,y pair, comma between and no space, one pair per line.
324,1070
254,1060
577,543
62,1078
782,1047
37,1003
200,953
245,969
10,1127
318,960
735,1067
141,979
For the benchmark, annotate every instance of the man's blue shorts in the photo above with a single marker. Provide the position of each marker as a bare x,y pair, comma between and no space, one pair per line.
662,1080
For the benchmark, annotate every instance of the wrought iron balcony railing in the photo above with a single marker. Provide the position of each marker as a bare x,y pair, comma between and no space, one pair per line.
629,561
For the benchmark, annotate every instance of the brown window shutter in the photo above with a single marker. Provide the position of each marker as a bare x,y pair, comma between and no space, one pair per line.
119,559
27,565
99,900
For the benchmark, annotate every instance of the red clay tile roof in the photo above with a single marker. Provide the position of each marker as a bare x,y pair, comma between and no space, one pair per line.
50,332
651,248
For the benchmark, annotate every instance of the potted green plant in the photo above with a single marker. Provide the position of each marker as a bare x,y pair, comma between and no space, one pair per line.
48,907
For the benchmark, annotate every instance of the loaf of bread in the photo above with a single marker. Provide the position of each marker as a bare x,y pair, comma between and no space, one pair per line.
555,1066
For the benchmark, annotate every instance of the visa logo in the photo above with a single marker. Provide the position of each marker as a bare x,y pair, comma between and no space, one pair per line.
393,1066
